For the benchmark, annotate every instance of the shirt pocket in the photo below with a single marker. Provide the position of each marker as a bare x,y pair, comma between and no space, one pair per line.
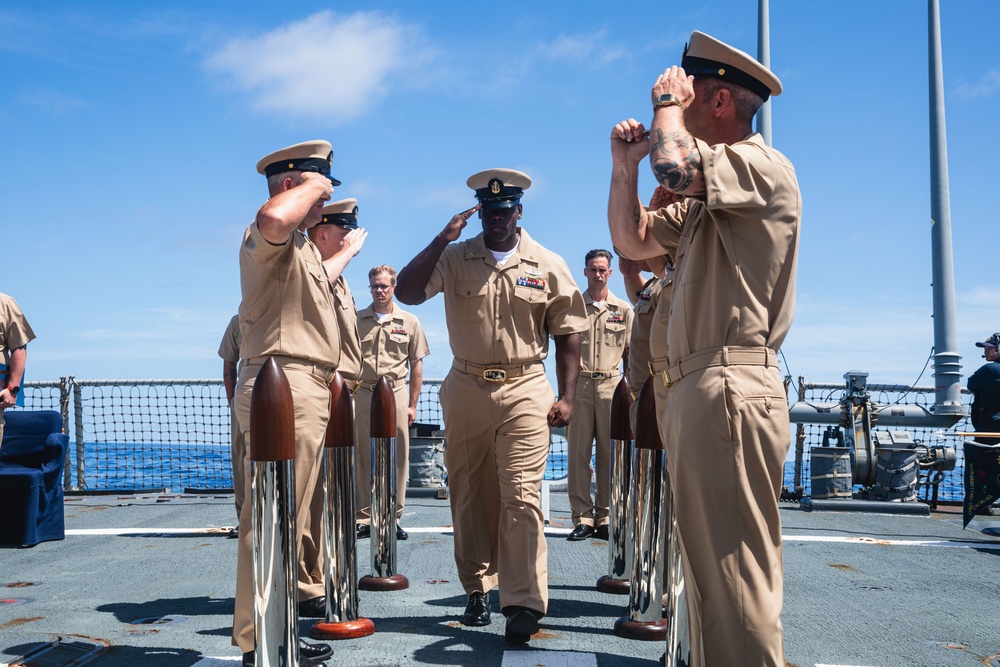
614,335
321,289
470,300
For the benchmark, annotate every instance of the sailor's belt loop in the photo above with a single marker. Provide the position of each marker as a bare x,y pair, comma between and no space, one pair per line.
722,356
497,372
601,375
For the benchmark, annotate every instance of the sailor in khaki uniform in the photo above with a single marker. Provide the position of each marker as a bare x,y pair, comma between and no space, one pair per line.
603,347
645,297
504,296
393,346
735,241
15,334
339,219
229,350
288,314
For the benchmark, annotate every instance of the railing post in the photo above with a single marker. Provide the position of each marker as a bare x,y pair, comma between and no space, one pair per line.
620,514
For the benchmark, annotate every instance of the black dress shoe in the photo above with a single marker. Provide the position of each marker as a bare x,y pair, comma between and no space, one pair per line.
477,611
364,531
581,532
313,654
401,534
234,533
309,655
521,624
601,533
314,608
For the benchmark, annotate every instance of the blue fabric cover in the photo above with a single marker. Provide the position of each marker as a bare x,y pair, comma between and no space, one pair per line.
31,465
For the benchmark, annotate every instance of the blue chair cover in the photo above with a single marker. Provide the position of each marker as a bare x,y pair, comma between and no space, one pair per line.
31,464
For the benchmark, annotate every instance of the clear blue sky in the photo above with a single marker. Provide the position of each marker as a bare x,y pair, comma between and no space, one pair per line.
130,131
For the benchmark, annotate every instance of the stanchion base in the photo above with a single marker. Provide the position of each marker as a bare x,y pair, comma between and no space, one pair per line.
396,582
608,584
361,627
626,628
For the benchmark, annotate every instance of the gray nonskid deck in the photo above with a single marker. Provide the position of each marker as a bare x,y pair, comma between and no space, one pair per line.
876,591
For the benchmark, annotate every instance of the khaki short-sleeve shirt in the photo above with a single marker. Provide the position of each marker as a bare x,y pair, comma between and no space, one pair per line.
735,251
603,344
389,346
638,350
505,315
287,306
347,320
229,348
15,331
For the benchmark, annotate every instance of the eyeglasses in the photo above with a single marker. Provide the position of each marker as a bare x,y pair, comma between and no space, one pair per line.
380,288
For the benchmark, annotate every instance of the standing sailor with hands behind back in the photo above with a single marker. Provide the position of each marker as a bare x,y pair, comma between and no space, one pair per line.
735,241
504,295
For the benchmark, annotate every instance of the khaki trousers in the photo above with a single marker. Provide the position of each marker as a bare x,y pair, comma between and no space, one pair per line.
590,431
363,450
726,434
497,446
240,458
311,398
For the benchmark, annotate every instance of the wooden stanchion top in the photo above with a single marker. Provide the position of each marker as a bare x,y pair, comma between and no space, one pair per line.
621,400
647,431
340,428
383,410
272,417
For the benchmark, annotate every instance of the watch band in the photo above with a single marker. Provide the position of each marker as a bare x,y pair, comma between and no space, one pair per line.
667,100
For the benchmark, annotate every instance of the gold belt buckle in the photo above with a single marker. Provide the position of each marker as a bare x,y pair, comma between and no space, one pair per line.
495,375
598,375
666,378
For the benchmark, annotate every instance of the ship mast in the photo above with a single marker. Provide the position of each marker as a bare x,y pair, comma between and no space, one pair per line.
764,58
947,369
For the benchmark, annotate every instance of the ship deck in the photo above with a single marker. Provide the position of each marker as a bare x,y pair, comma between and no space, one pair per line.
147,580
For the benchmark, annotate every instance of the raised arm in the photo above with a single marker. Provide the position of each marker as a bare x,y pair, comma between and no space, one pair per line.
349,249
284,212
413,278
674,155
626,214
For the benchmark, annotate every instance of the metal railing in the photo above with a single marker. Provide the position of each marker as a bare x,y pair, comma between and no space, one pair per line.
129,435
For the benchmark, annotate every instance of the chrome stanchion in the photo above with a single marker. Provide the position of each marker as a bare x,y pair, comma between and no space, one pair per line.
340,559
383,575
620,515
272,486
644,619
678,653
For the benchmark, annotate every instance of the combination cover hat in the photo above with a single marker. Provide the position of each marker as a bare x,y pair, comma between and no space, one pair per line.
499,188
707,58
992,341
316,156
343,213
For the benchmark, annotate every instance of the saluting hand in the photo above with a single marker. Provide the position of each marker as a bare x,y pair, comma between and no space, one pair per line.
628,142
560,413
677,83
458,222
318,181
354,240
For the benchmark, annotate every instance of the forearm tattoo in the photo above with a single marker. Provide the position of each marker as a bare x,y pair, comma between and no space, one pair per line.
676,176
637,215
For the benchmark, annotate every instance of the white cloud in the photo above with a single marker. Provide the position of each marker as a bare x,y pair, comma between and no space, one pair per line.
328,65
987,86
592,48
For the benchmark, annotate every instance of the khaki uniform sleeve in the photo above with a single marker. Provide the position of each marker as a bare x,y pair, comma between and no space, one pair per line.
229,348
436,283
262,251
666,226
738,176
418,348
566,312
15,331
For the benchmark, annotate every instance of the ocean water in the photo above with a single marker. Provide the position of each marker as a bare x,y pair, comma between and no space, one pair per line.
133,466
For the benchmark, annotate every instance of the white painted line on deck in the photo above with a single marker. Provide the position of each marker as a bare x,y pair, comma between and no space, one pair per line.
548,659
216,662
561,532
877,541
825,665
